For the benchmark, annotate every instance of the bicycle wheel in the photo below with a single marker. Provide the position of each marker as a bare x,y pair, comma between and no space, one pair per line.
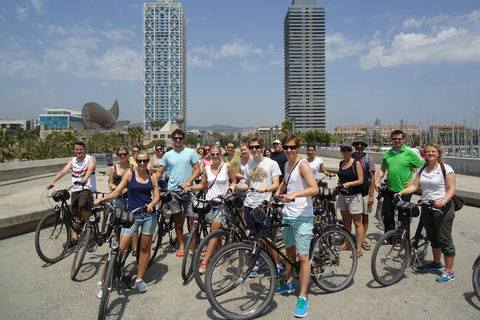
52,237
225,237
190,249
157,239
108,286
390,258
419,247
333,257
105,216
379,214
476,278
80,252
230,290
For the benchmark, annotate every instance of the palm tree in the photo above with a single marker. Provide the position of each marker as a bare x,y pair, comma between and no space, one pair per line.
135,134
286,127
45,149
6,146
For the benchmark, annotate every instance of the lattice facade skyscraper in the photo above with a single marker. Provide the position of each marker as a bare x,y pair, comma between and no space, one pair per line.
304,42
165,64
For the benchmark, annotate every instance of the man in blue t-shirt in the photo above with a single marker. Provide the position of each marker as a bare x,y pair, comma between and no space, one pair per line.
184,169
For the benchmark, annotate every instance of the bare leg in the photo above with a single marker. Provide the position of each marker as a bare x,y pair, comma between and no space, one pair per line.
213,244
178,219
437,255
449,263
145,246
347,218
305,270
359,232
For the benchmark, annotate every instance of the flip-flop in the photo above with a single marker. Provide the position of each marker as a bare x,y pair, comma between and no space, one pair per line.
365,246
180,253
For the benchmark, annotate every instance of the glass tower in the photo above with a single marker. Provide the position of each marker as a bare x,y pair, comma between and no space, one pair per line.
165,64
304,41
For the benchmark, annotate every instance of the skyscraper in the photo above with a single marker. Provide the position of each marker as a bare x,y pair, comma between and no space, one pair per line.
304,41
165,64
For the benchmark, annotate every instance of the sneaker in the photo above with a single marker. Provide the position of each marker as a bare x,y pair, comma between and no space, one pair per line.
255,269
446,277
302,306
285,288
141,286
203,268
99,289
433,265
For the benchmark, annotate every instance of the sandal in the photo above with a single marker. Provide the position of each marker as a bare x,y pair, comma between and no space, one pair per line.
134,253
359,254
180,253
365,246
346,245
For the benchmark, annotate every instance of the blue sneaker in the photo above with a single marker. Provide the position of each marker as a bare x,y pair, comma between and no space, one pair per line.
433,265
446,277
285,288
254,272
302,306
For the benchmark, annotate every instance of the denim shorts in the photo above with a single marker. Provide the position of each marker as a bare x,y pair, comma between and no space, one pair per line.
299,233
146,220
120,202
218,213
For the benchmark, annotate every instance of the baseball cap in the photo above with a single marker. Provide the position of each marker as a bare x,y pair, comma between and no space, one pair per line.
277,141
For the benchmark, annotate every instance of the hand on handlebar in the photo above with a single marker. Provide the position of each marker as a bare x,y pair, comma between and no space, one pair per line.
150,208
287,198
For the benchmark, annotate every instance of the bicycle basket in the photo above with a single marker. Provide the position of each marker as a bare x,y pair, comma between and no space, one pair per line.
165,196
124,218
234,201
259,215
408,209
60,195
201,206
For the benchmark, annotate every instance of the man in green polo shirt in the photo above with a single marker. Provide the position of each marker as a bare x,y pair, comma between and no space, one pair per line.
399,161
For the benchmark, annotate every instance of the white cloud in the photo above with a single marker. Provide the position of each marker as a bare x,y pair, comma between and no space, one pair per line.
236,48
118,35
37,4
249,67
21,13
195,61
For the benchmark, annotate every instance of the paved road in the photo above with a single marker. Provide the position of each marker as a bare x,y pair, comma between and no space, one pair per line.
31,289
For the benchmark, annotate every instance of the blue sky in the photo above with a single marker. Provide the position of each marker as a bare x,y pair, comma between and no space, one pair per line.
411,60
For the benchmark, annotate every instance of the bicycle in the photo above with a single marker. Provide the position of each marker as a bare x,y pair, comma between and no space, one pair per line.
235,295
95,228
115,264
476,277
380,199
54,231
326,199
395,250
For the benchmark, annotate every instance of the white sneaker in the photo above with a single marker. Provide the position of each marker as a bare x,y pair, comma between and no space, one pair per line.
99,289
141,286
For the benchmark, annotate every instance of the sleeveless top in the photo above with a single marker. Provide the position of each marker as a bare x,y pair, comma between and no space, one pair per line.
79,169
118,178
221,184
157,165
315,166
302,207
348,175
234,161
139,194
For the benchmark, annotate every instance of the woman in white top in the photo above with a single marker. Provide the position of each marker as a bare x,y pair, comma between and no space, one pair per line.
217,177
438,184
316,163
244,160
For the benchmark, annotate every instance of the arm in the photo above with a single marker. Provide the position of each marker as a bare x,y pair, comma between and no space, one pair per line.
157,175
200,185
238,172
325,172
271,188
115,193
152,168
411,188
91,167
372,189
451,182
196,173
307,174
231,174
111,185
359,181
59,175
380,175
155,198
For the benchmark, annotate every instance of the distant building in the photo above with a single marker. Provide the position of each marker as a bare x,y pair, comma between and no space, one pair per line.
304,44
165,64
59,118
14,124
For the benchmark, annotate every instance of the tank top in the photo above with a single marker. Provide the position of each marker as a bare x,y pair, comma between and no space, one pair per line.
302,207
118,178
221,184
139,194
157,165
79,169
348,175
234,161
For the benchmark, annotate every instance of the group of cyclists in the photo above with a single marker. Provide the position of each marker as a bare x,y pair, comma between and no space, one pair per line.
135,182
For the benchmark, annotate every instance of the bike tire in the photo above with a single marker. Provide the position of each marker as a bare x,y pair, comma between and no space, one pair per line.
419,250
52,237
333,257
227,237
388,262
379,214
80,252
108,286
157,239
476,278
230,290
190,249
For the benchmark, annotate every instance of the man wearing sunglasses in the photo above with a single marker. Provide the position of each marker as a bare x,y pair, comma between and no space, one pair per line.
184,169
399,162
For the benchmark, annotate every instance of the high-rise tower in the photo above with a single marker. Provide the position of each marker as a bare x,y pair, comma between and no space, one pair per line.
165,64
304,41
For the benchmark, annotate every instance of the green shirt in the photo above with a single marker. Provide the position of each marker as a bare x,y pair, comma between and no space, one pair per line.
235,160
400,167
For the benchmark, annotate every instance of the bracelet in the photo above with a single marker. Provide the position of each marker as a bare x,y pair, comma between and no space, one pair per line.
443,201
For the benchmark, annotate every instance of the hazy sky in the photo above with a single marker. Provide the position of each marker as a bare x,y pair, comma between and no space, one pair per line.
412,60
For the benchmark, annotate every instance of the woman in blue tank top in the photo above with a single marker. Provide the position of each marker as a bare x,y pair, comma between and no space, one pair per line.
142,191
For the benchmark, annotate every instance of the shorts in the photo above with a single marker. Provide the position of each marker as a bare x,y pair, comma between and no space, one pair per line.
299,233
218,213
182,202
81,200
120,202
255,226
146,220
353,203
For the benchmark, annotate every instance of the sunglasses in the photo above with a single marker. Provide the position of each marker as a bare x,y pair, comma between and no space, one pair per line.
215,154
230,147
254,147
159,149
142,160
397,139
346,150
289,148
177,138
207,150
122,154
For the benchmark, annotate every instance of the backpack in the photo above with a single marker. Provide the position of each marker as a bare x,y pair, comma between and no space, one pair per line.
366,179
